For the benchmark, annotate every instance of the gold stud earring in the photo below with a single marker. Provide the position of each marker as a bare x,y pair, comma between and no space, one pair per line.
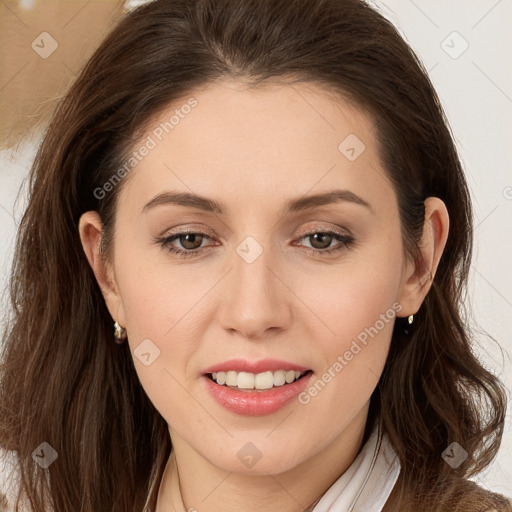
120,333
406,325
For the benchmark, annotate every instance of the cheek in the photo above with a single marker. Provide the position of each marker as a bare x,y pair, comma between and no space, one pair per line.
352,297
159,303
359,300
357,307
158,296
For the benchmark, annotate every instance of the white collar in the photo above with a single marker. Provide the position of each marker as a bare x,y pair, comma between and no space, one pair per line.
367,483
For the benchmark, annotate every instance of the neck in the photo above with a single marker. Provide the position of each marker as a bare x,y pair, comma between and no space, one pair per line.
192,484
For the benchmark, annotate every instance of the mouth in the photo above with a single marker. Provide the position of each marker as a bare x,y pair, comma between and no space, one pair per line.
256,394
257,382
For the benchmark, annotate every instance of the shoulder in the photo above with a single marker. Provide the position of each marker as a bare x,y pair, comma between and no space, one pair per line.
468,496
457,495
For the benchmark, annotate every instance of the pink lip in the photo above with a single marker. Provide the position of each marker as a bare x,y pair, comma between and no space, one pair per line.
256,403
242,365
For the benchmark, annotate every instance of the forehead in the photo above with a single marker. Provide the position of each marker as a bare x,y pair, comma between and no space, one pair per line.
234,114
254,142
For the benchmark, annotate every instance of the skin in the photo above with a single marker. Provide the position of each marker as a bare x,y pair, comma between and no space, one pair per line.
252,150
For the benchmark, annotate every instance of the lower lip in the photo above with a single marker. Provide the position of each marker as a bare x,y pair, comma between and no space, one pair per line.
256,403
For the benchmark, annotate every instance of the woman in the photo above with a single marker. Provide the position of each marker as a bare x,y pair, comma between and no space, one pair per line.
261,202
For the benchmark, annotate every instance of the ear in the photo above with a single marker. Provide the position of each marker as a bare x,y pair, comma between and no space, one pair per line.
90,229
419,275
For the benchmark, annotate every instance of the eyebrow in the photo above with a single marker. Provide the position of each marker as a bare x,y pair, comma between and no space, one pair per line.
292,206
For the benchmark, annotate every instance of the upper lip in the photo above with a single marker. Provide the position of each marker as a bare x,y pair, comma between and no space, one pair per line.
243,365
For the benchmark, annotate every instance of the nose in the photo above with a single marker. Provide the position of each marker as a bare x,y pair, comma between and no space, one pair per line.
256,301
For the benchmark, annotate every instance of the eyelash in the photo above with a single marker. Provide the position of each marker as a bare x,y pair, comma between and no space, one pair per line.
346,242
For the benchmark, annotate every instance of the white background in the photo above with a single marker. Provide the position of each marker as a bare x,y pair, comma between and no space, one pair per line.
476,91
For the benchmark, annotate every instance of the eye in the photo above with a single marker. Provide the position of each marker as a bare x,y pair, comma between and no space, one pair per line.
191,241
321,241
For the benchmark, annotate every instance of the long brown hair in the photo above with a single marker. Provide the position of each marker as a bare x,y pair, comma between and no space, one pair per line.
63,379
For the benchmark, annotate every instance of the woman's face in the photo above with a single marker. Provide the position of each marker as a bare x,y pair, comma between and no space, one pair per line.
255,280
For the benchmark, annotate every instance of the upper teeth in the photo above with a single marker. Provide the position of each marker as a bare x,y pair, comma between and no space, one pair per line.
265,380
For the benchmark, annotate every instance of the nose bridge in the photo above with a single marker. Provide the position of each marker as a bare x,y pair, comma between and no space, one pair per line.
256,299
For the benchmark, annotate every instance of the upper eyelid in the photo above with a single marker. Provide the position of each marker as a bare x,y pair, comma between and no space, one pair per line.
322,229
